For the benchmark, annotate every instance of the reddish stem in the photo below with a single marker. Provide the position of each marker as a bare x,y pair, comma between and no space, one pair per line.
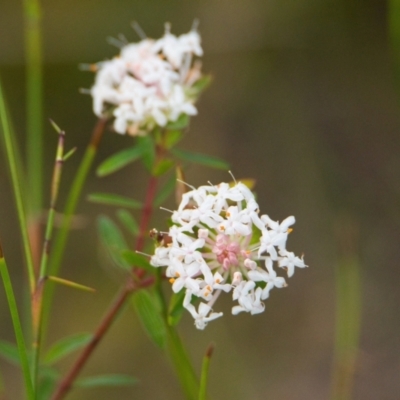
66,384
101,330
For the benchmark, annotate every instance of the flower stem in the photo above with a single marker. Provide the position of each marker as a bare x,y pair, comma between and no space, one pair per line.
204,373
182,364
16,183
118,303
106,322
17,326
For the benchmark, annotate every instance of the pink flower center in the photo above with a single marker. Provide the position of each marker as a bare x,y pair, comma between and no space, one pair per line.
227,251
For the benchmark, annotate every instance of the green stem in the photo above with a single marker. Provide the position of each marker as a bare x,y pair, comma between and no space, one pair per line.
17,326
33,49
73,197
178,355
183,366
72,201
38,296
348,313
204,373
16,183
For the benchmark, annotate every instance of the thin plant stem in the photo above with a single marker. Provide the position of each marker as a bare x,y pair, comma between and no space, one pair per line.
204,373
121,299
74,195
34,78
72,201
105,324
17,326
16,183
37,297
348,311
177,352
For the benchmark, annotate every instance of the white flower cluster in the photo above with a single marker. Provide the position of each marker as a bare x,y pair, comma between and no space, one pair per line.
219,242
149,83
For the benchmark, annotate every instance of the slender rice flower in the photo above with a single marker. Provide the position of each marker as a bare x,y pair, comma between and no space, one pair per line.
219,243
149,83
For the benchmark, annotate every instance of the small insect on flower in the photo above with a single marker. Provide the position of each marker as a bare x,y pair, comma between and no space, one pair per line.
149,83
219,243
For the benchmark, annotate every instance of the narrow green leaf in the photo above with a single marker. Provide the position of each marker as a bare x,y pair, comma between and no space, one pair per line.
175,309
148,309
111,199
166,190
198,158
162,167
181,123
9,352
119,160
128,221
48,378
200,85
66,346
113,241
137,260
147,146
106,380
172,138
18,333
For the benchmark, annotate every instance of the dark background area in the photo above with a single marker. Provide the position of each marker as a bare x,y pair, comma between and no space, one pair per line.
303,100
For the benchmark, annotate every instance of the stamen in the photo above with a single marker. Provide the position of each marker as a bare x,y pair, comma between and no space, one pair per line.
138,29
185,183
166,209
195,24
115,42
85,91
172,280
143,254
230,173
290,230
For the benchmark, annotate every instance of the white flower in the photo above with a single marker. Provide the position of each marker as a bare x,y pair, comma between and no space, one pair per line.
289,261
148,84
218,243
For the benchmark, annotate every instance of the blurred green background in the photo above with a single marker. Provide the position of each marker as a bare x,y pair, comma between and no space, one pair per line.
305,101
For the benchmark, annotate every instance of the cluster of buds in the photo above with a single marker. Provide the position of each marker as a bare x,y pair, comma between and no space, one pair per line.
219,243
150,83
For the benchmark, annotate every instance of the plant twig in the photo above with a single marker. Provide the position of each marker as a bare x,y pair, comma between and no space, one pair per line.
101,330
110,316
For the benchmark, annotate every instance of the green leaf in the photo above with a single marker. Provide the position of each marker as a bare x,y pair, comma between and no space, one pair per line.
9,352
175,309
181,123
162,167
172,138
137,260
114,200
47,381
106,380
198,158
66,346
113,241
128,221
147,146
200,85
166,190
119,160
148,309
